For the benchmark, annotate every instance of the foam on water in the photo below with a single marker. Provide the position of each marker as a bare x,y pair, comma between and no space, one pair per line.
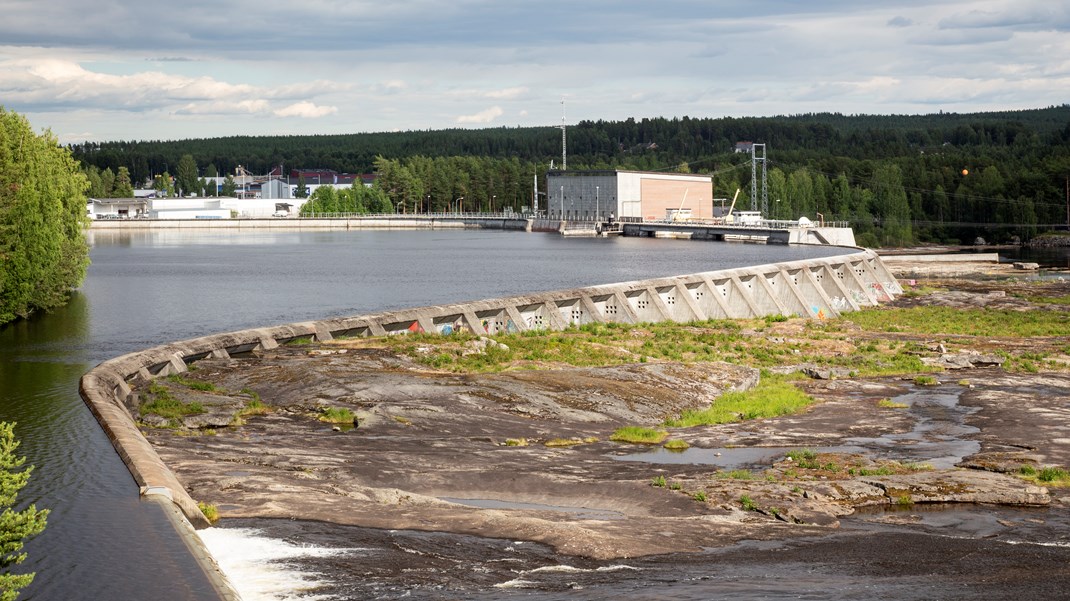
261,568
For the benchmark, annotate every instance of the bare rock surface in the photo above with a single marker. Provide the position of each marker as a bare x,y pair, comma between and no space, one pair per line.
526,455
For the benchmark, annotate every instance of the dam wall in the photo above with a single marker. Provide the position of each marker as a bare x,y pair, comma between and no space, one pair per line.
416,222
813,288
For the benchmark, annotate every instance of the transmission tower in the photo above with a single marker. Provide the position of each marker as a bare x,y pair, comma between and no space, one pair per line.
758,203
564,146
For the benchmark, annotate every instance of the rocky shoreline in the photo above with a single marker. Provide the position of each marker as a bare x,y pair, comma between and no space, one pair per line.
526,454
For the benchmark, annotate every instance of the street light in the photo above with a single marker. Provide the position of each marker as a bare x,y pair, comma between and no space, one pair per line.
493,197
428,209
562,215
596,203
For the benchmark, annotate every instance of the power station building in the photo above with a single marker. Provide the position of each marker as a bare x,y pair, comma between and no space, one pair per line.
627,195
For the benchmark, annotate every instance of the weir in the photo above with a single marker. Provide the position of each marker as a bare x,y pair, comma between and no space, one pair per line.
813,288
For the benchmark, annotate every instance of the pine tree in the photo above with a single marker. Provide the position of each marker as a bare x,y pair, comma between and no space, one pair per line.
15,526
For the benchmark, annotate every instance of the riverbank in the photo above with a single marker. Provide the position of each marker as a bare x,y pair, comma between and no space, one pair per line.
524,453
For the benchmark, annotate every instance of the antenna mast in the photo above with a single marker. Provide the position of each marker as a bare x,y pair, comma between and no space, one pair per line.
564,146
758,203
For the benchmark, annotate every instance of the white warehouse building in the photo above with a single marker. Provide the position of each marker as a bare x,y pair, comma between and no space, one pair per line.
608,194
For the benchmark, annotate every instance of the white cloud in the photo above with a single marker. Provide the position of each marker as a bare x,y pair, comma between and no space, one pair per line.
507,93
306,110
483,116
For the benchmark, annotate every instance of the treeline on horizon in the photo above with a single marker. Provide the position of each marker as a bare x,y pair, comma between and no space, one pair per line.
899,179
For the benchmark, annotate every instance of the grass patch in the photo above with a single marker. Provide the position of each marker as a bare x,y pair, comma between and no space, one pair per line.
747,503
737,475
890,404
658,481
192,384
337,415
699,496
639,435
403,420
211,512
516,442
562,442
161,402
964,322
774,396
798,455
926,380
904,500
676,445
254,407
1046,476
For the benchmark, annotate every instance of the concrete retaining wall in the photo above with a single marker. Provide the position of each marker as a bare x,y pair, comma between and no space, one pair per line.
353,223
814,288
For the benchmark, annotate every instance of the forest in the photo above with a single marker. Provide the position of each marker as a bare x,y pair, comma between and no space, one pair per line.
899,179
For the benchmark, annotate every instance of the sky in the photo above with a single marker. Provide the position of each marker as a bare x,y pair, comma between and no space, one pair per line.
167,70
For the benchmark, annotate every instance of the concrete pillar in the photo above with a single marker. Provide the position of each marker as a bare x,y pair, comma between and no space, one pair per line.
514,316
744,294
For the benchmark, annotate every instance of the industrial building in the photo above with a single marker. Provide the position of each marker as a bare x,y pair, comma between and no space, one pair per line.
627,195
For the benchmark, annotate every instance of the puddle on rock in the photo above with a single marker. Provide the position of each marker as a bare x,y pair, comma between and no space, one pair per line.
939,428
585,513
936,439
728,458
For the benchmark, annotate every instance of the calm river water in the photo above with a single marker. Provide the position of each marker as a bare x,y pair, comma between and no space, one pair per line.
148,288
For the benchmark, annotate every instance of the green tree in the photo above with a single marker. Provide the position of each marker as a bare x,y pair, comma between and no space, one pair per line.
124,188
96,185
107,178
229,186
163,185
43,251
186,176
15,526
302,188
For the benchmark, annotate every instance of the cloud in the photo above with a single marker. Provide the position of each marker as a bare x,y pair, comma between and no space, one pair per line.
900,22
483,116
507,93
222,107
306,110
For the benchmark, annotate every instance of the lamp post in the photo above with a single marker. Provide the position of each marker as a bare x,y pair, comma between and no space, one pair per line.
596,218
562,215
493,197
428,208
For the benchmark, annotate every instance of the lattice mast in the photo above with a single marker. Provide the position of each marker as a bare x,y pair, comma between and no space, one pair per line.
564,145
758,203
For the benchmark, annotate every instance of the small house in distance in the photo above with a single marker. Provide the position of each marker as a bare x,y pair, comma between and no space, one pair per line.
615,194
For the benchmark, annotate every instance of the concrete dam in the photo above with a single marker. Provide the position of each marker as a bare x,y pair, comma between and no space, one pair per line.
812,288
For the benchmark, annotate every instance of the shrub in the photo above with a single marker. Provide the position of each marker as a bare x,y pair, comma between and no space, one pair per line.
211,512
926,381
658,481
747,503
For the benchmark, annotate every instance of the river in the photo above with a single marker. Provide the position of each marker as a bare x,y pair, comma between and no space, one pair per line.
148,288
